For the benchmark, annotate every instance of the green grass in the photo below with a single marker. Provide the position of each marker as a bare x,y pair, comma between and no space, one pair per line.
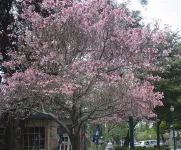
94,148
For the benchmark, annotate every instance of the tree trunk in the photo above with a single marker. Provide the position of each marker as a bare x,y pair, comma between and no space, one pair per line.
126,139
75,141
163,139
7,140
117,141
8,124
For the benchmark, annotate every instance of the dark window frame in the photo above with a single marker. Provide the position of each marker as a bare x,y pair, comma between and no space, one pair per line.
34,138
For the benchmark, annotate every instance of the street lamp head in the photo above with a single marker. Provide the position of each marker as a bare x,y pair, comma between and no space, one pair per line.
171,108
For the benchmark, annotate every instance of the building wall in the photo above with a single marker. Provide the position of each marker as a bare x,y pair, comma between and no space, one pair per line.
53,142
51,136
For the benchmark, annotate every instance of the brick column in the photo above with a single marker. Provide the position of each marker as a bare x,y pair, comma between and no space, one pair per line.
53,136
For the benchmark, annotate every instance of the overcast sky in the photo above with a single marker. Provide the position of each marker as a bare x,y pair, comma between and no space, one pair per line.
168,11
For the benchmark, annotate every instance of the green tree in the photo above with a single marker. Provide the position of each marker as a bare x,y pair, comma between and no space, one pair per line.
169,85
115,131
144,131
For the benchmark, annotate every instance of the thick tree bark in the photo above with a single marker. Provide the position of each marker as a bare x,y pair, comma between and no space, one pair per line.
75,141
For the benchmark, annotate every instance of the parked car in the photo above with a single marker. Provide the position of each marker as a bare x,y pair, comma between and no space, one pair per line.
137,144
148,143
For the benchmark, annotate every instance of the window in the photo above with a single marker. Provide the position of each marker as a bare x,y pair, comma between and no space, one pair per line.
153,142
34,138
2,136
65,140
147,143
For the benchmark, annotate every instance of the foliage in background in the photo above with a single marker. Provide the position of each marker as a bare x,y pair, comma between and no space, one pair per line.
170,83
116,131
144,131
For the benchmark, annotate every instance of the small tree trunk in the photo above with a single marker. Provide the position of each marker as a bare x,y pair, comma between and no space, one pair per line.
163,139
117,141
126,139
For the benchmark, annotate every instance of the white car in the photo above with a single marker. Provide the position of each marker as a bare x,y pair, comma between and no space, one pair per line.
149,143
137,144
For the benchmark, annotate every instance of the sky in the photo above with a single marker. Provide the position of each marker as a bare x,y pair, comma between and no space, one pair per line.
168,11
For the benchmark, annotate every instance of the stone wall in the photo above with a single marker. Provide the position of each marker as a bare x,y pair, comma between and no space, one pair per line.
53,142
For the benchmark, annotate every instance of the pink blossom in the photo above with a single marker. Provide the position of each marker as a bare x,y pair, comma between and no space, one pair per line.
84,52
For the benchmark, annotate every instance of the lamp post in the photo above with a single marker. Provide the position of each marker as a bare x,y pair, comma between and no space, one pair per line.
158,133
131,132
172,112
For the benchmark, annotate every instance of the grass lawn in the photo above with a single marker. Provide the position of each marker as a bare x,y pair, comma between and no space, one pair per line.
94,148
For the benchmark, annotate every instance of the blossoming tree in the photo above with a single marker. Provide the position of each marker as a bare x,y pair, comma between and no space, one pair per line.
80,63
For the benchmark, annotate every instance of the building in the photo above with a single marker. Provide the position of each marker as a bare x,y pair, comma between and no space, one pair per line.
40,132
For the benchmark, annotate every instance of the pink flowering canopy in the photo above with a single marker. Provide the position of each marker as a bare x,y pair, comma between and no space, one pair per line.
83,55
